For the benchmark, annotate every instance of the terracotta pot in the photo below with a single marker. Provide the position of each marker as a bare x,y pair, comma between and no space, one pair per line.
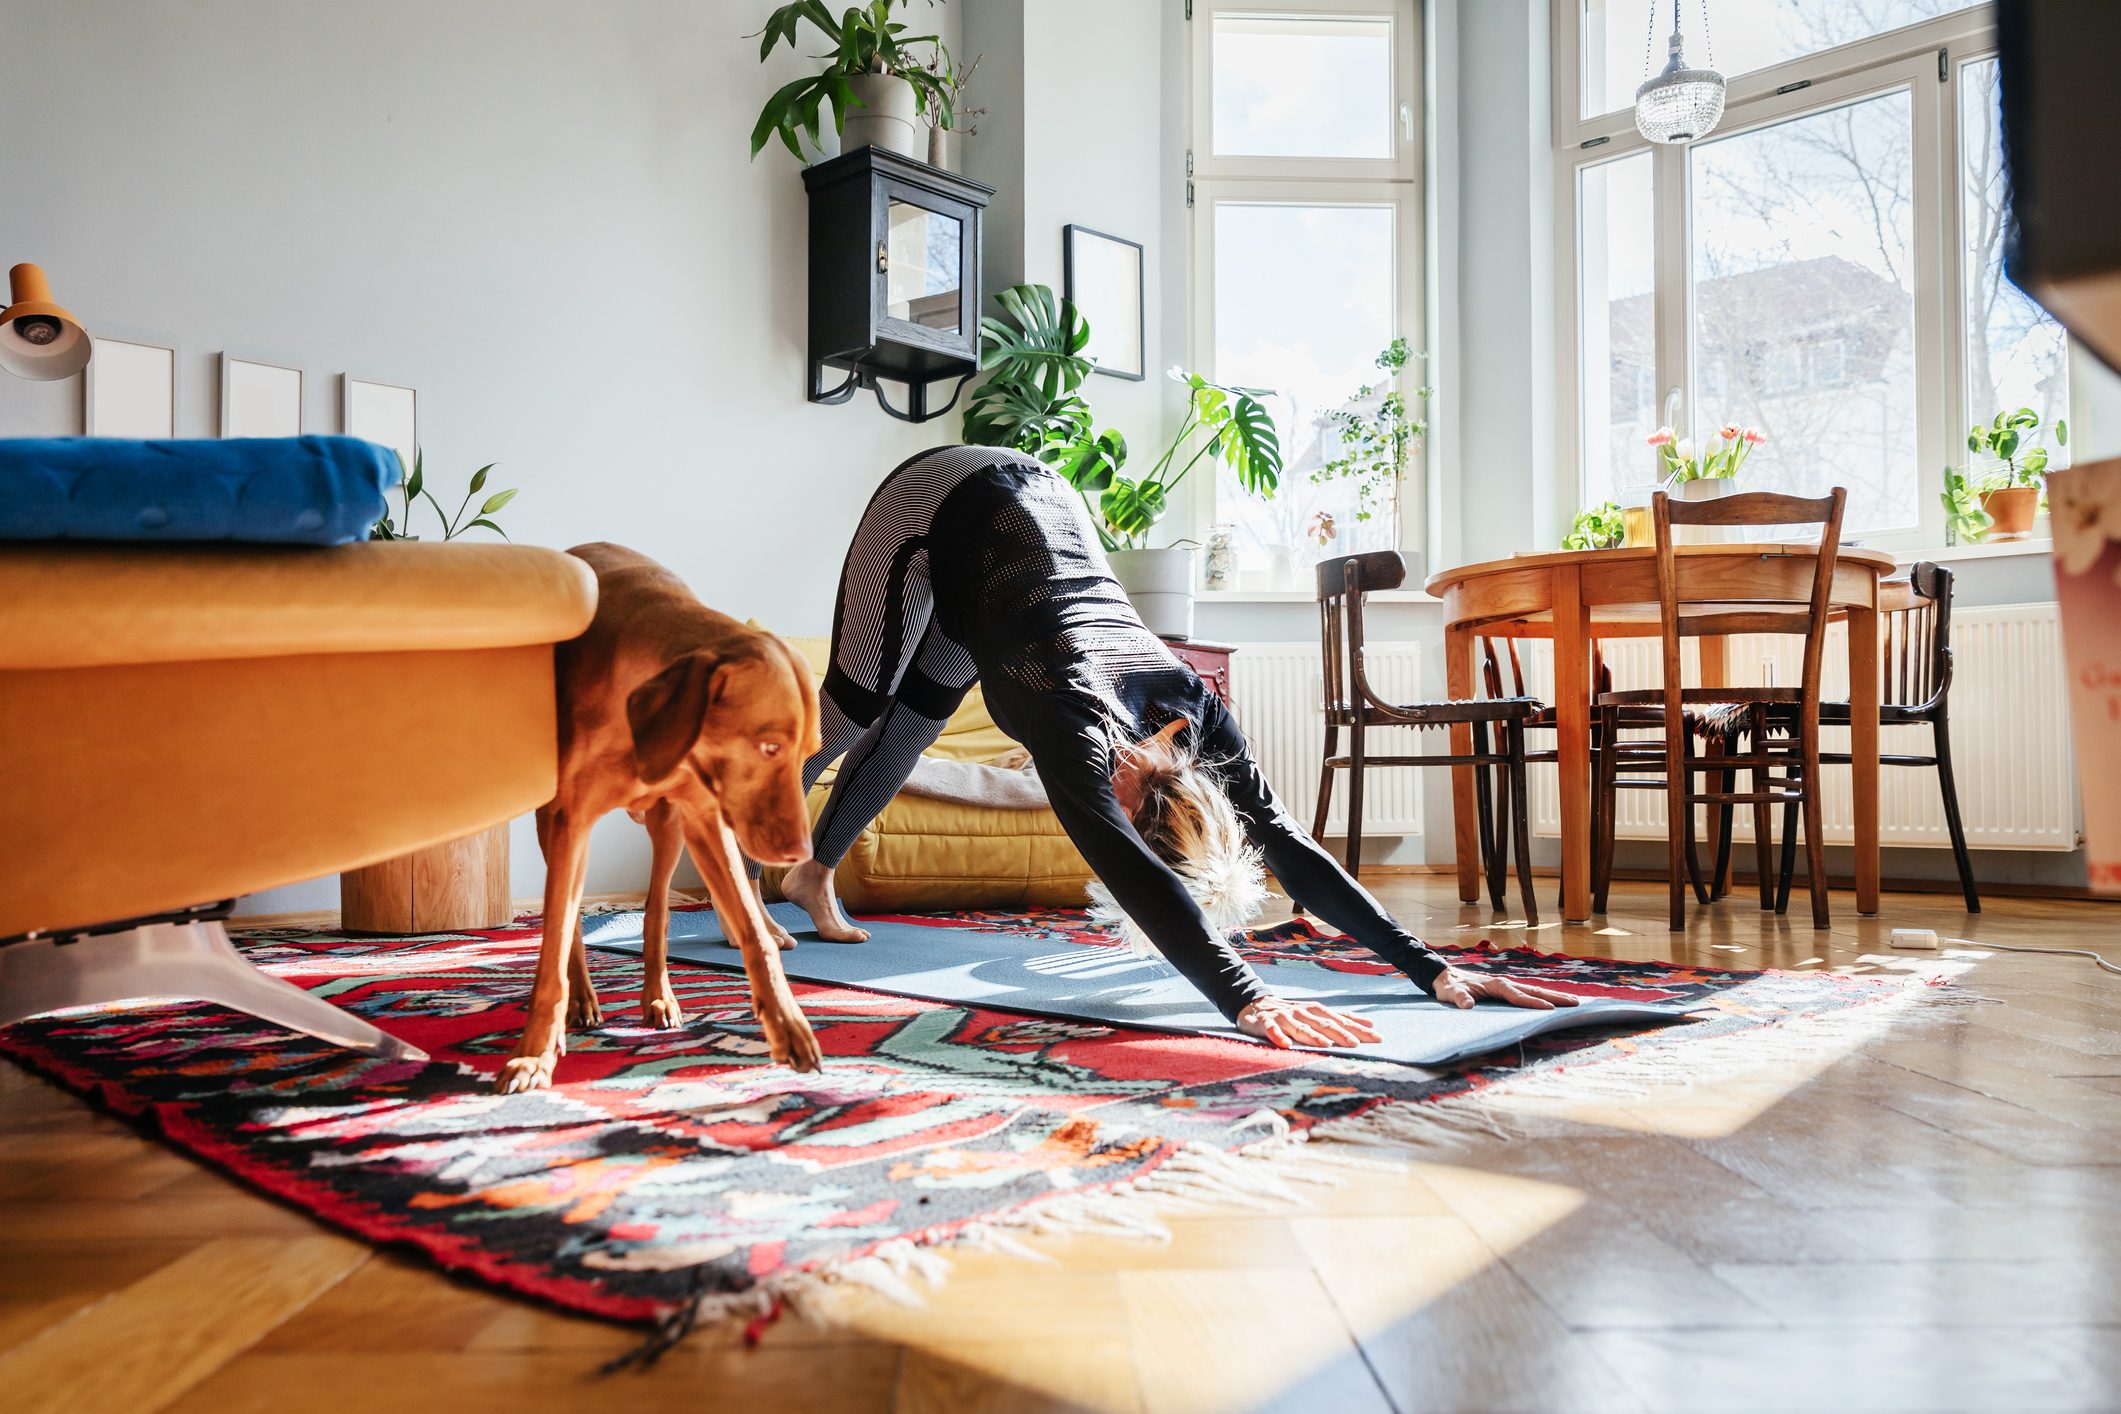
2013,509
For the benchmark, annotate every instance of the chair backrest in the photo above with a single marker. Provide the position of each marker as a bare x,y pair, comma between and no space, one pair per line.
1491,669
1343,581
1915,654
1750,508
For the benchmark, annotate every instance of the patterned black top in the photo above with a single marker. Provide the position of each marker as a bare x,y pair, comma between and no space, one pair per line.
1070,670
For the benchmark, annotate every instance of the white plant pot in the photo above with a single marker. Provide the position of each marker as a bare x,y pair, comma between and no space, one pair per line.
885,119
1704,488
1160,584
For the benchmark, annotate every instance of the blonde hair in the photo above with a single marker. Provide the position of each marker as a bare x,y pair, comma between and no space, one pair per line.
1186,819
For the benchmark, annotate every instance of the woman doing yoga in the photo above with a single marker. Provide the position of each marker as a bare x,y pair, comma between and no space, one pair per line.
979,564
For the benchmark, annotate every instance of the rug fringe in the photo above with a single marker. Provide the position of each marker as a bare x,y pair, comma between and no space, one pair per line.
1263,1175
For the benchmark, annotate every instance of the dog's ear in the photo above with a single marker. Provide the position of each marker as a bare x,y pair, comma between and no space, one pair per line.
666,712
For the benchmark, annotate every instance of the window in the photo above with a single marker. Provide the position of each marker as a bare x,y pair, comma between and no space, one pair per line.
1306,223
2016,356
1748,36
1793,221
1814,268
1618,319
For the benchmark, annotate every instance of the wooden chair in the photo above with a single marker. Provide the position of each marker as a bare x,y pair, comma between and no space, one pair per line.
1351,703
1494,821
1915,658
1782,771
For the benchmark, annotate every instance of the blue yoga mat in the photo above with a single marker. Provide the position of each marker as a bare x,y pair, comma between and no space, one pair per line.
1029,973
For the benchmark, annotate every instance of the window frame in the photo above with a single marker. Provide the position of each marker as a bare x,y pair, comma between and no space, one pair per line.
1309,181
1905,59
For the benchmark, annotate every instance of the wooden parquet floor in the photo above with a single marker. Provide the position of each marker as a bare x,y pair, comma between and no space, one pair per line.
1927,1219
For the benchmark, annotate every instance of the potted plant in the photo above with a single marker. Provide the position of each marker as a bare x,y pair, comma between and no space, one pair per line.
1033,402
1714,472
2009,491
1377,437
947,118
870,68
1599,527
1963,515
414,488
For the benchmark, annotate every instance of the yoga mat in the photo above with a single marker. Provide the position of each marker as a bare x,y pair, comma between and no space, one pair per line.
1022,972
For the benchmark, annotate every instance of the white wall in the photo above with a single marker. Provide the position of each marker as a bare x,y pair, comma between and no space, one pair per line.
541,214
1077,133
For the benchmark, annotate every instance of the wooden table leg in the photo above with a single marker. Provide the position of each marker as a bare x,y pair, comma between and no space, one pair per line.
1572,736
1465,817
1863,751
1715,670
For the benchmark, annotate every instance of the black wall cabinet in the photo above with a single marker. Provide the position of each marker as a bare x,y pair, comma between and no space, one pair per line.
894,278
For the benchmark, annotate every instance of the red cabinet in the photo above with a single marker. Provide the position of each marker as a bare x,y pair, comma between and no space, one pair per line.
1210,660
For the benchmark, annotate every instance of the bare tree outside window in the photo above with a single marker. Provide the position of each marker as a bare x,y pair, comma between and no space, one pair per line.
2016,356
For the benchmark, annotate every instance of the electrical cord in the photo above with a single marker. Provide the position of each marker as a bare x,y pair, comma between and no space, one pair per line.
2114,968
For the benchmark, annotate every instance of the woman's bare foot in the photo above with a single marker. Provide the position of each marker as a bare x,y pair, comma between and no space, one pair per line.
810,884
781,937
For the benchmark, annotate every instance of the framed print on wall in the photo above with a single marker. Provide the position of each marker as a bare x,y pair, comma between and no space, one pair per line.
384,413
130,390
1102,276
259,399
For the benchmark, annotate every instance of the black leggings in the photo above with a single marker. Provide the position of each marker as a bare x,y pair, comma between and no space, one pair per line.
895,677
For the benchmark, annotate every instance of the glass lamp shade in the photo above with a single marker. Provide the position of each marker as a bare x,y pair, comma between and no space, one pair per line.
1680,104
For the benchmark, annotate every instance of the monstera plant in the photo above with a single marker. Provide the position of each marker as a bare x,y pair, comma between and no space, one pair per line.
1033,402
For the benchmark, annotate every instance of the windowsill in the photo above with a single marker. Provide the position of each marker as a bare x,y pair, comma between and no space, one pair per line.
2000,550
1305,596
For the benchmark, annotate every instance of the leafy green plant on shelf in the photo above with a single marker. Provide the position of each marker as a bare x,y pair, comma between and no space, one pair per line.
415,489
864,39
2009,440
2015,462
1963,515
1033,401
1377,439
1599,527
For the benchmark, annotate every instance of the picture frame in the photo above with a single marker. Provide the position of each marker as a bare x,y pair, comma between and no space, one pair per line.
130,390
384,413
1104,277
260,399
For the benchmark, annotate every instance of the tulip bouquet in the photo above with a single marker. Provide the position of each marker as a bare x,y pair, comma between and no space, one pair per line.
1726,452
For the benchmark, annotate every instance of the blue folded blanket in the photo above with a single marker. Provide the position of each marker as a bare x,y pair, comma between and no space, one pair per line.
271,490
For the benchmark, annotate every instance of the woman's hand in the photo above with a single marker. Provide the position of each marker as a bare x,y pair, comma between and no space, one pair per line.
1461,989
1289,1024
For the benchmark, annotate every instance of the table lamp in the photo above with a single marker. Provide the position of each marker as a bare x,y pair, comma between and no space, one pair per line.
39,339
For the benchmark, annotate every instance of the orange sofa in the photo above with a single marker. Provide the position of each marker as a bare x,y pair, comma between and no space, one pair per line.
181,724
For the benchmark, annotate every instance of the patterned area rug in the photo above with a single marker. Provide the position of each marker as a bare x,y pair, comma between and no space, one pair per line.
677,1175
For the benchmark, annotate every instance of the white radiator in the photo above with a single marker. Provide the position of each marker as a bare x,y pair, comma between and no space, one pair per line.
2010,735
1279,700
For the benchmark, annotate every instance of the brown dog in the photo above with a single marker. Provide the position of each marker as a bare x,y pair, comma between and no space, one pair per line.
699,727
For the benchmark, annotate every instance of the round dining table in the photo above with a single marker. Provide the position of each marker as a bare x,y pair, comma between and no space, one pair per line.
1576,597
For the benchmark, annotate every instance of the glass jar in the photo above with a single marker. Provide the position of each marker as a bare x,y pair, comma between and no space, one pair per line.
1220,564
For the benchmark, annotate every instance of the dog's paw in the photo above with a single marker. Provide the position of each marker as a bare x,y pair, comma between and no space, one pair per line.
790,1041
663,1011
525,1073
584,1010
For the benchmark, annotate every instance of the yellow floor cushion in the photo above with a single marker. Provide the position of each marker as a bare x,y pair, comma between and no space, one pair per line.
931,854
